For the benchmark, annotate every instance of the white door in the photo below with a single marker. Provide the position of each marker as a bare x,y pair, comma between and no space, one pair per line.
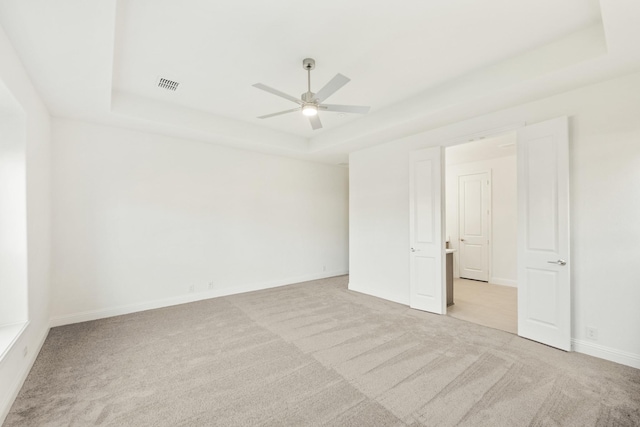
426,206
544,289
474,216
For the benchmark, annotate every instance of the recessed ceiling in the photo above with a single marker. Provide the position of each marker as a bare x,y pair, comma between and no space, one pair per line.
390,50
411,61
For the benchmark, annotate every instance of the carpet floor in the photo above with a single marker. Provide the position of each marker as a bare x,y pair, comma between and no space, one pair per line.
313,354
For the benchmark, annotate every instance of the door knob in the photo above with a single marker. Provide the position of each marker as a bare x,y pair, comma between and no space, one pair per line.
559,262
462,240
415,250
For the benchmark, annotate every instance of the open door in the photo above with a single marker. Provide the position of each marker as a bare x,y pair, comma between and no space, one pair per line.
544,288
426,232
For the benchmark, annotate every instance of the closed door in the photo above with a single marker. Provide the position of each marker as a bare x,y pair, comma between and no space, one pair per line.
544,287
426,234
474,217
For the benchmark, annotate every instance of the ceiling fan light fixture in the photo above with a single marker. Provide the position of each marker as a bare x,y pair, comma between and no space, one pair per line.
309,103
310,110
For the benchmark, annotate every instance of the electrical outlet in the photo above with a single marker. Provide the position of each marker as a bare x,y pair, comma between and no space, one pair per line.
324,268
211,285
25,352
192,288
592,333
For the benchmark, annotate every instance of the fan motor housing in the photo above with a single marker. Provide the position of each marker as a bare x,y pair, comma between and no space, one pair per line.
308,63
307,96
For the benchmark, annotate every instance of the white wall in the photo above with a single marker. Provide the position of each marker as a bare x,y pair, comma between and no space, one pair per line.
504,215
139,218
15,365
605,207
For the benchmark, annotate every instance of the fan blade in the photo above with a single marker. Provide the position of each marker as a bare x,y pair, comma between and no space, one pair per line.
281,112
330,88
315,122
277,93
345,108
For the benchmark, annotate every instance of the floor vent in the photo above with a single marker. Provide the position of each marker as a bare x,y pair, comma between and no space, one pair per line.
167,84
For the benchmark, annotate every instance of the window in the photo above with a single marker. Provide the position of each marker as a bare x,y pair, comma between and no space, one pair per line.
13,221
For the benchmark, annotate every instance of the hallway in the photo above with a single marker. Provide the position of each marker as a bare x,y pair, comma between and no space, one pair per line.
490,305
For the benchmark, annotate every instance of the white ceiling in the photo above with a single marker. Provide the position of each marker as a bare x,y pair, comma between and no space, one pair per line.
482,149
217,50
100,61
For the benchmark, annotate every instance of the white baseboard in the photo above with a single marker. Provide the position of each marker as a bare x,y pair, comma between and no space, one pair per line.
503,282
607,353
16,386
378,294
86,316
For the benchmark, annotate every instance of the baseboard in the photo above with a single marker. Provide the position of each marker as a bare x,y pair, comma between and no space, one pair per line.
607,353
378,294
20,378
184,299
503,282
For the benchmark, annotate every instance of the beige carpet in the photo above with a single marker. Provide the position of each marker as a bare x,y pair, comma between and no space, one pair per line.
313,354
484,303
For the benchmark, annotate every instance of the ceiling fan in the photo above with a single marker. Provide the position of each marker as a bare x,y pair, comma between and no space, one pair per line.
311,103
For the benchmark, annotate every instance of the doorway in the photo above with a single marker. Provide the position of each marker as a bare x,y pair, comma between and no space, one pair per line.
543,257
481,230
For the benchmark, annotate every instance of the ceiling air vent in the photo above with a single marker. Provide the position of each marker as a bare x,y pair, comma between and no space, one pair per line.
167,84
